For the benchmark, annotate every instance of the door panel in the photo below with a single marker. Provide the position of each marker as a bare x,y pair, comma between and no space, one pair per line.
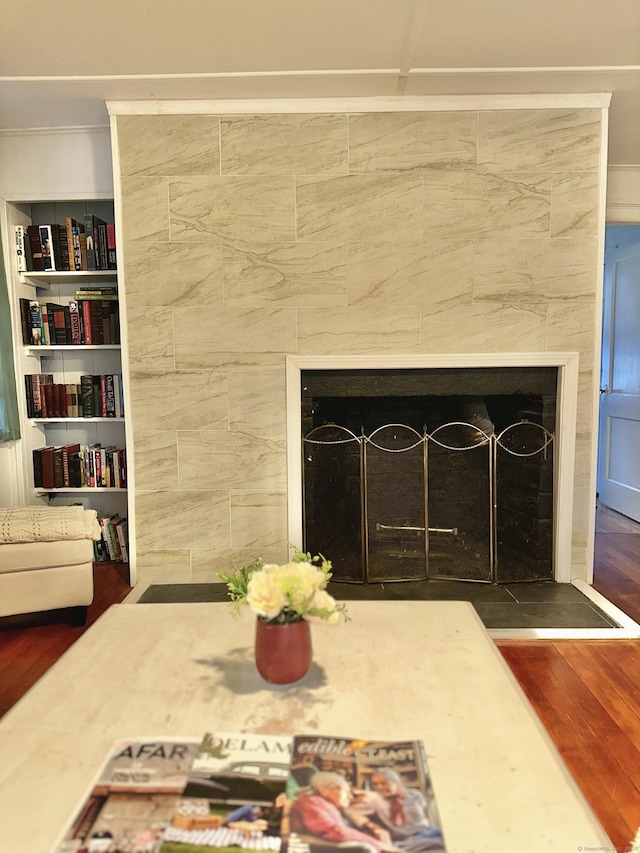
619,437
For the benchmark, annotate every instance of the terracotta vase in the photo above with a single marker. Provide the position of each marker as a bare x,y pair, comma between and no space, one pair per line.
283,652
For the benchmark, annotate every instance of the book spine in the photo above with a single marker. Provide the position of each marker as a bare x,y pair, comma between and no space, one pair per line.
46,241
35,316
76,480
37,259
59,325
111,247
82,240
64,247
21,247
58,472
48,331
121,533
56,246
122,461
86,322
28,390
37,468
102,233
110,395
69,225
48,473
103,395
86,390
89,228
25,320
74,323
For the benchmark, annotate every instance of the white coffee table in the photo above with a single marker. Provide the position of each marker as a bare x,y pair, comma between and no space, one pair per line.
398,669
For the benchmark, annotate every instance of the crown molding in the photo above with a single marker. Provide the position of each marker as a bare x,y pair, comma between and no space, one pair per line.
409,103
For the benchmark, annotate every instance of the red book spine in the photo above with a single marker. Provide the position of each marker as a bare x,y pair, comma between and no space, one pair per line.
86,316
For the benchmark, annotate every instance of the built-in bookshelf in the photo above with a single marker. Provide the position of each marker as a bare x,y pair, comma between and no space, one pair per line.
68,351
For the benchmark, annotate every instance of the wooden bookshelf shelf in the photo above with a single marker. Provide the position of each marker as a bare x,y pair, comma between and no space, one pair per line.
44,279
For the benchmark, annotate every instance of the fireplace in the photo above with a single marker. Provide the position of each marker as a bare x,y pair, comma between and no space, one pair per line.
451,467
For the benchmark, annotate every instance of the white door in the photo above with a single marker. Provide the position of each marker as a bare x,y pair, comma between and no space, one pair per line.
619,431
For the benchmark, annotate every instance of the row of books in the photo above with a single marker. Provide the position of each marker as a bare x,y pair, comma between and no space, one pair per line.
95,396
260,792
72,466
113,543
89,320
72,247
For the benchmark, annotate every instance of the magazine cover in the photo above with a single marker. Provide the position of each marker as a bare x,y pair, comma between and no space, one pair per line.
134,797
234,795
371,796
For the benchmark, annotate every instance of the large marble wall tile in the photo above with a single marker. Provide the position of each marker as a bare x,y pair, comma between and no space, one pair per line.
284,145
233,208
211,460
358,330
173,274
257,403
259,520
532,270
571,327
196,519
145,209
269,331
407,141
583,458
151,338
467,205
207,565
360,207
170,566
170,400
285,274
574,205
546,140
156,460
483,327
587,394
169,145
431,272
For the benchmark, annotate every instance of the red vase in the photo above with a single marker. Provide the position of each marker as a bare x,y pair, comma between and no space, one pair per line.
283,652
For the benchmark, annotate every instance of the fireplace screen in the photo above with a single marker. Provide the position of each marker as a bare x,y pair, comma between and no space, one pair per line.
468,499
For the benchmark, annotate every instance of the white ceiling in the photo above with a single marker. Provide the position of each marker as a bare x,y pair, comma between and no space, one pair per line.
60,62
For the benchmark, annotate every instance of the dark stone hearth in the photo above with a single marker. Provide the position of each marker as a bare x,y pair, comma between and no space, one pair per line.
531,605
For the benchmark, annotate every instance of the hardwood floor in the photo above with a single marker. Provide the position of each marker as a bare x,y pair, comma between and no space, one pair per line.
586,693
30,644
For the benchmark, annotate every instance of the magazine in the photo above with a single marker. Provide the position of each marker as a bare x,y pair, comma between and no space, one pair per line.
133,798
233,797
230,792
374,796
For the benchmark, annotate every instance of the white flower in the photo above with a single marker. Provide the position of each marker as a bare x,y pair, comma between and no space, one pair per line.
323,609
265,595
287,593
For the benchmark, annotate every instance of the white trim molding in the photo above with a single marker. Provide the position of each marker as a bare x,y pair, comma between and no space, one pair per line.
409,103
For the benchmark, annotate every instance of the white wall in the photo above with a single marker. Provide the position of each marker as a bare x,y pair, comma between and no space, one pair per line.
56,163
623,194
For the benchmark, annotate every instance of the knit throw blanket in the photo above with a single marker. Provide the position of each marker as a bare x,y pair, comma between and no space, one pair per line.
47,524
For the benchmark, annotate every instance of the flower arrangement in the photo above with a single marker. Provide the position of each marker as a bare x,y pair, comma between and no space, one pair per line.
288,593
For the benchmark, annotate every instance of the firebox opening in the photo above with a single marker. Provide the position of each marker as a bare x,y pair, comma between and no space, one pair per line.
430,473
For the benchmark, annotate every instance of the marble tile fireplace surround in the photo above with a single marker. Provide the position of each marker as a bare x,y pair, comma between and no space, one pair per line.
263,239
